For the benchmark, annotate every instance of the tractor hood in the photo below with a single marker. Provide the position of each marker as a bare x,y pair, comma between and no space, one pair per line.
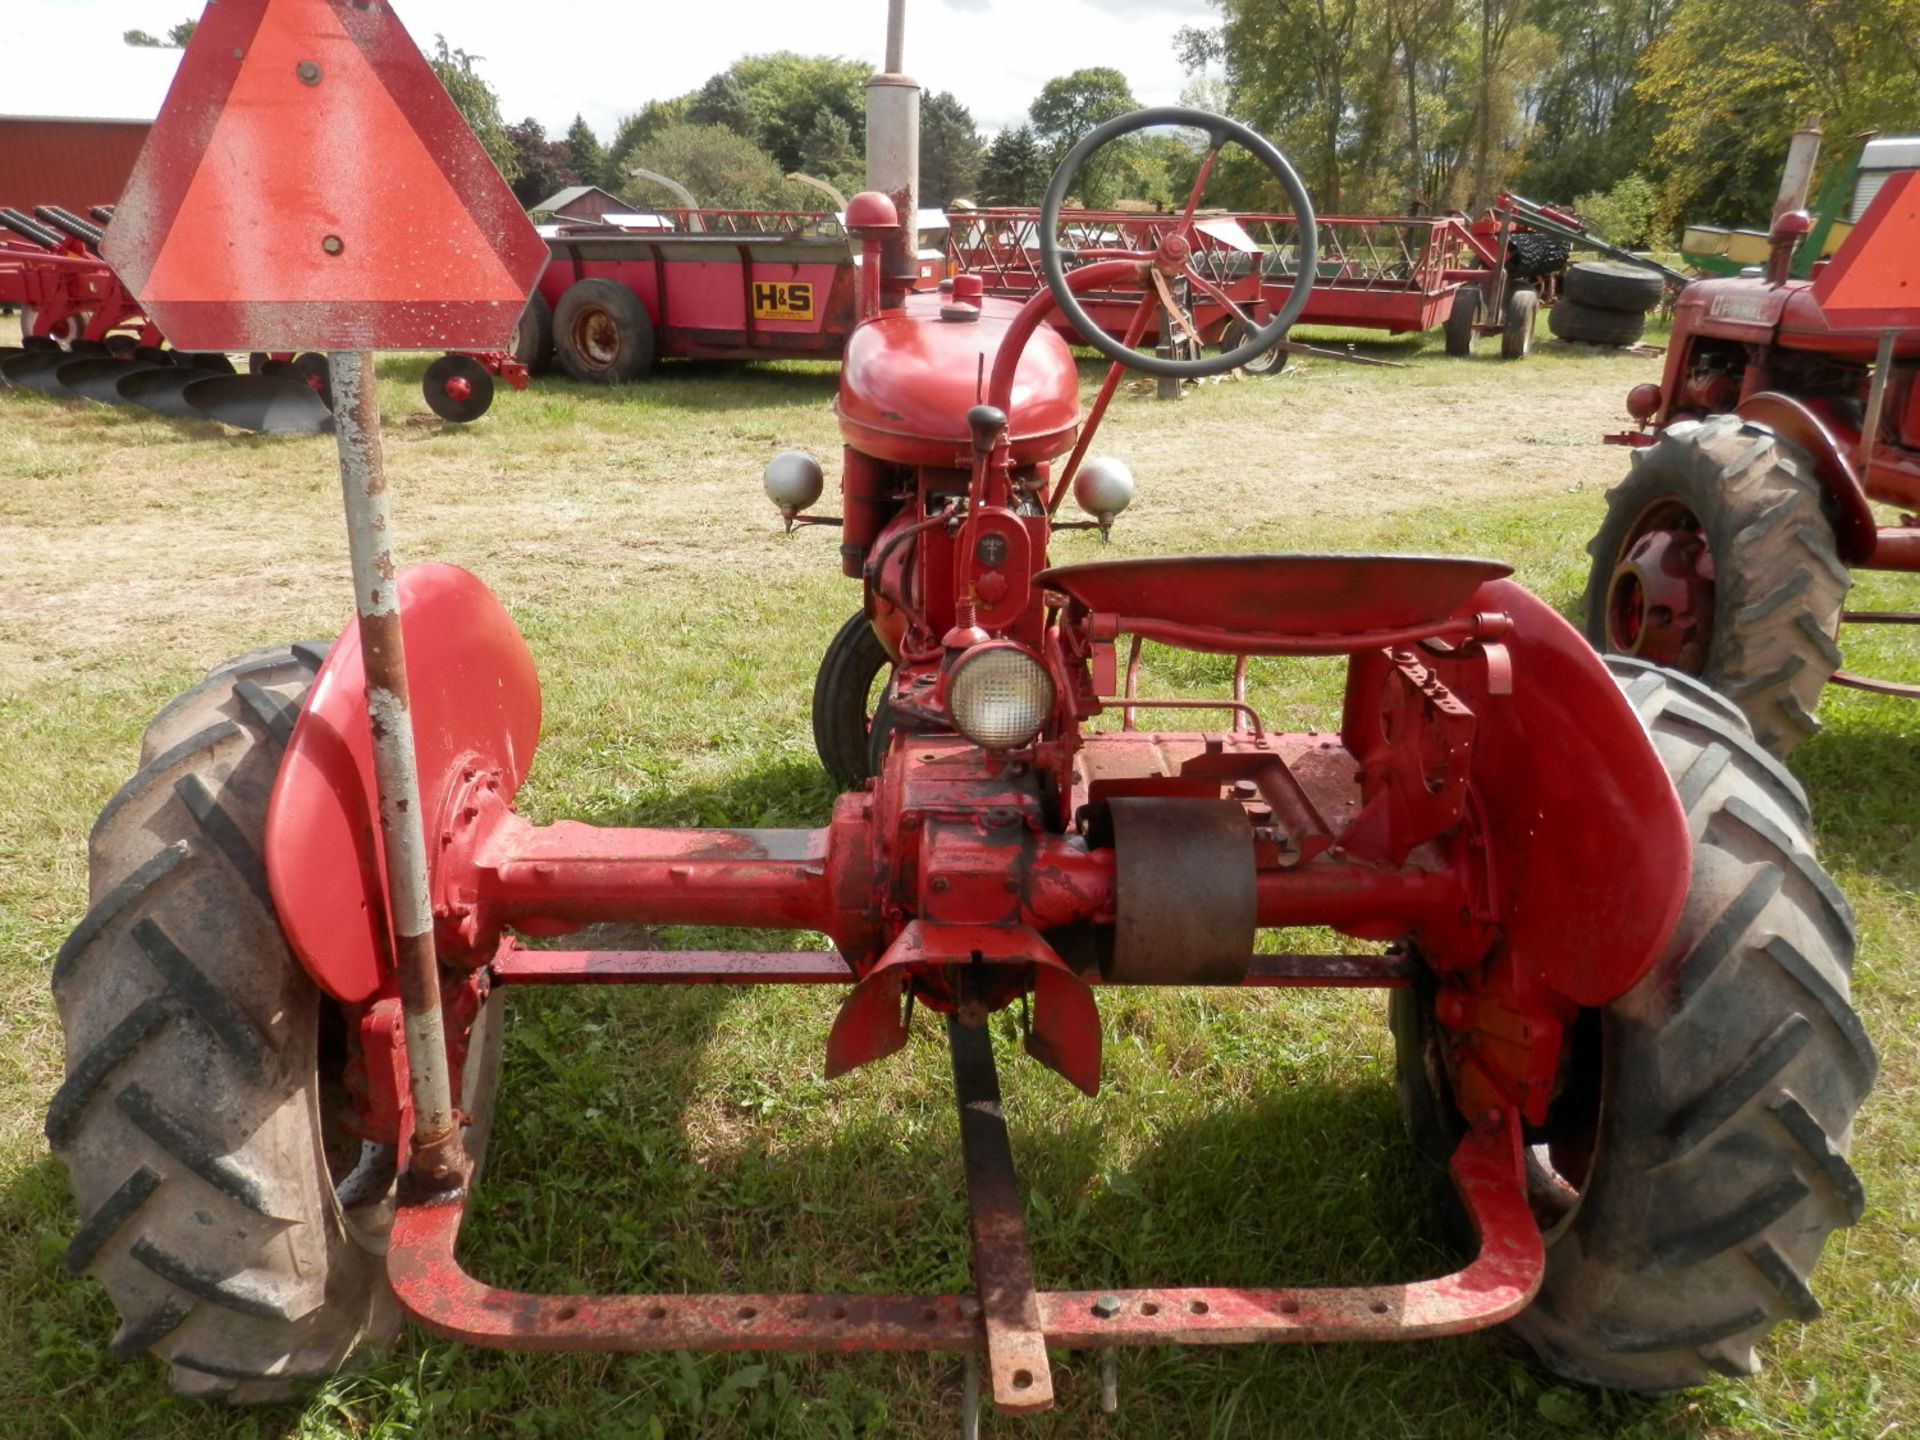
909,377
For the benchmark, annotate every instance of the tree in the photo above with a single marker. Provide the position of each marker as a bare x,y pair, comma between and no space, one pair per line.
722,169
827,151
177,37
786,90
475,100
546,166
1014,172
636,129
587,155
950,150
1068,106
723,101
1729,82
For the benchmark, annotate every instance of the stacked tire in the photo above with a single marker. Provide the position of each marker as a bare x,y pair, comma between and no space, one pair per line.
1605,302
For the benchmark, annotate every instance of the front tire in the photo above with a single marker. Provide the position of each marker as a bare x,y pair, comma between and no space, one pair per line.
845,731
1714,1100
1778,584
237,1230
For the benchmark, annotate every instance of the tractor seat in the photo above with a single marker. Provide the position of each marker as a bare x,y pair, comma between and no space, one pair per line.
1279,604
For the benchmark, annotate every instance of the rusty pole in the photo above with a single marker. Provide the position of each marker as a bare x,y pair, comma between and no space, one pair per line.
437,1162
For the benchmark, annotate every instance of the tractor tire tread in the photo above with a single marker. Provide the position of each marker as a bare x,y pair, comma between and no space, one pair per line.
1735,1068
1581,324
188,1116
842,724
1780,583
1613,285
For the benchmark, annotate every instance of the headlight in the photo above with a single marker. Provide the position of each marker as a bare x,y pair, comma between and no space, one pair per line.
999,696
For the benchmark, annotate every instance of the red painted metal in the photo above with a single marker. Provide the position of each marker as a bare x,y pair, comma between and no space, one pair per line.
909,378
62,287
1868,285
1394,273
1487,1169
476,707
260,214
1330,596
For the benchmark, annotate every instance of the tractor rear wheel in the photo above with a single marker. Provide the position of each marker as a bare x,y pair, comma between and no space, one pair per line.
1717,558
1461,319
1516,331
1694,1161
846,724
238,1229
603,334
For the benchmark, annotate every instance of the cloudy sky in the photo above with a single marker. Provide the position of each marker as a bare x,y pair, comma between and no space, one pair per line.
605,58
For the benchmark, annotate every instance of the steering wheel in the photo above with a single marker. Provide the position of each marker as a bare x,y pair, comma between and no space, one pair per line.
1173,258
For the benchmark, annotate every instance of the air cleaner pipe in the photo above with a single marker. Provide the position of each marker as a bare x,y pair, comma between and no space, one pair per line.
437,1160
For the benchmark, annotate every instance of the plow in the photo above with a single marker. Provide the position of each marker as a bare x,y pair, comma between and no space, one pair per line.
85,337
1616,977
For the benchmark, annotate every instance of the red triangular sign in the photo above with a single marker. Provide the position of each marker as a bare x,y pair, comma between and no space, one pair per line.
1873,283
309,186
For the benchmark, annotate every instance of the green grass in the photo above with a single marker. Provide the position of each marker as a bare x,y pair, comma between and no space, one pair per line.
685,1139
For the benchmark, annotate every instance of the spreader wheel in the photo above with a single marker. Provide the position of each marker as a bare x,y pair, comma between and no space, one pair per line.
603,334
239,1230
1694,1160
458,388
1461,319
1516,331
1717,559
847,729
532,343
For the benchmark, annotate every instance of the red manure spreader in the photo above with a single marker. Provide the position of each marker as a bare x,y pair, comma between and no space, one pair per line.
1617,976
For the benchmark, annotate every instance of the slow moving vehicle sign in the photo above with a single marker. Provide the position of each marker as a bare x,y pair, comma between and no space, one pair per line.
309,185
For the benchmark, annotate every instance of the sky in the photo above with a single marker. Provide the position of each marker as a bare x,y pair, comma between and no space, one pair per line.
605,58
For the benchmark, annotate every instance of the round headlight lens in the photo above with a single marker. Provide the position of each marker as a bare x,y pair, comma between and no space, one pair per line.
999,697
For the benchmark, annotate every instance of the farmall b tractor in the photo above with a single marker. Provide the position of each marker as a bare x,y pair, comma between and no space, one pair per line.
1617,977
1787,410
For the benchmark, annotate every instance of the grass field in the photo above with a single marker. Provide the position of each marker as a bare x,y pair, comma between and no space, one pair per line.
685,1140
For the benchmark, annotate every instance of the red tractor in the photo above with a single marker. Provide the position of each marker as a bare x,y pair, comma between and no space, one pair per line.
1726,552
1619,1003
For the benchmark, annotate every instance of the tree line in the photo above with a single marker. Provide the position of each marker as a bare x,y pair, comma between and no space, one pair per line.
735,140
1645,114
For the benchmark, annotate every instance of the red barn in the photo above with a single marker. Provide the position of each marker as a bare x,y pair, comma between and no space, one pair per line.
63,143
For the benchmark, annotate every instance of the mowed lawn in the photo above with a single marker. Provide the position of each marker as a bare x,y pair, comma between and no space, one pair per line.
685,1140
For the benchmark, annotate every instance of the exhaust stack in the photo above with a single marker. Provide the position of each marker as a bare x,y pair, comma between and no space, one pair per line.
893,152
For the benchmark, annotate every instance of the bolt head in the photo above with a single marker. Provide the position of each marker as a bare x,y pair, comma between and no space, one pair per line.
1107,1306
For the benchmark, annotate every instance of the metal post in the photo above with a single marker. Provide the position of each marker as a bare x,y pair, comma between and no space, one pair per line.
1019,1378
1876,402
437,1161
1167,387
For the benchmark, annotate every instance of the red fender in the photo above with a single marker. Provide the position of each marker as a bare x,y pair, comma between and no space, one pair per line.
1832,455
476,703
1586,840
